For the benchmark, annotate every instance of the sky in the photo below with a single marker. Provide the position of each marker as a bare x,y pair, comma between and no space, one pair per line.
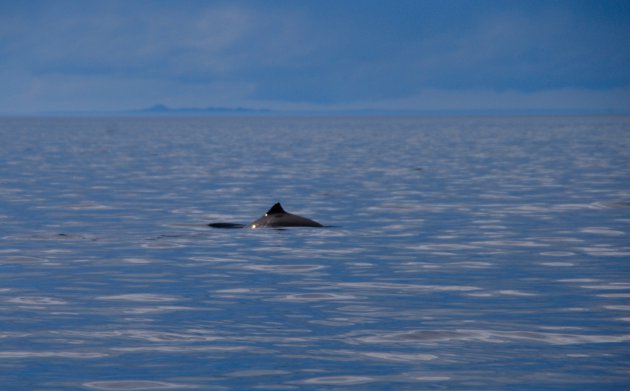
316,55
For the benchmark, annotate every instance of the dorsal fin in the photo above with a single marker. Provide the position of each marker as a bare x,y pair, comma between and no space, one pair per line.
275,209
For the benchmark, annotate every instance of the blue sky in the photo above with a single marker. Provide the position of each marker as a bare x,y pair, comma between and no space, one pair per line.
315,55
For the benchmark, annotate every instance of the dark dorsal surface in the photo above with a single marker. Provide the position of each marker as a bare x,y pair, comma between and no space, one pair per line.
276,217
226,225
275,209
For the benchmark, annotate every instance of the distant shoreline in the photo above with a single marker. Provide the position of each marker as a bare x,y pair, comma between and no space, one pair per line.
161,111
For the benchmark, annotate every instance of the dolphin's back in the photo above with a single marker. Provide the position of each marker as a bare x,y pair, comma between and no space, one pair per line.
276,217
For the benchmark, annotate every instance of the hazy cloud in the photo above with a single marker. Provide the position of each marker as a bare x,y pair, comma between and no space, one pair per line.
64,55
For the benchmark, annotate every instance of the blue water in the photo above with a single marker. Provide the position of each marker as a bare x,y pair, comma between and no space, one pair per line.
467,253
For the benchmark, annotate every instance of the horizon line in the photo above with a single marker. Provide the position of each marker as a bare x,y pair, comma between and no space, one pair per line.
160,110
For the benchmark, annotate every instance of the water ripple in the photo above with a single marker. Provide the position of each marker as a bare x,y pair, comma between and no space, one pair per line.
286,269
502,262
433,336
139,297
340,380
306,297
406,287
52,354
37,300
135,385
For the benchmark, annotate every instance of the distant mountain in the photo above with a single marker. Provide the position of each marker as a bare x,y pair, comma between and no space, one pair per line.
163,109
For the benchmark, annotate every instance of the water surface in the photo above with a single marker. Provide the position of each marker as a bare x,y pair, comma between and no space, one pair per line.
467,253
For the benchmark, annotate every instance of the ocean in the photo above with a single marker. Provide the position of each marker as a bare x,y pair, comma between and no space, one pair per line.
460,253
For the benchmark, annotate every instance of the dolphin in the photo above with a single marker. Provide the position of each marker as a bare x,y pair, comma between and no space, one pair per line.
276,217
